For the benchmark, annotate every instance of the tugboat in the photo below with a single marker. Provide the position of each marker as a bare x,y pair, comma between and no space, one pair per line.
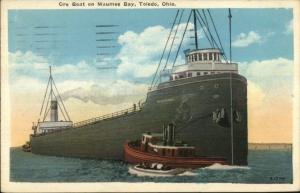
164,149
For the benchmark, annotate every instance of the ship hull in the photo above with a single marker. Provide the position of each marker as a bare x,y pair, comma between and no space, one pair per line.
189,103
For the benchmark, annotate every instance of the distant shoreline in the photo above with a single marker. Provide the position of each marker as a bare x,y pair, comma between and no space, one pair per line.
270,146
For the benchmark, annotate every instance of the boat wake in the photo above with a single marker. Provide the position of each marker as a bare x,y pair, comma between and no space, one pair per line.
188,173
218,166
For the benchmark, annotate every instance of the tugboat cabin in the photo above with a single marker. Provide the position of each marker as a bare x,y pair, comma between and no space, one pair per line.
164,144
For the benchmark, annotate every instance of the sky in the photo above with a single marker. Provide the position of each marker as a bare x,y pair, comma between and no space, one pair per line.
104,61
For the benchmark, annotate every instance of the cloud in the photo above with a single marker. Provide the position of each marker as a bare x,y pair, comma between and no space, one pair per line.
278,67
140,52
244,40
269,114
256,96
31,65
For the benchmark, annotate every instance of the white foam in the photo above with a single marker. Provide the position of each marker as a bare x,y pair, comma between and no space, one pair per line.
218,166
188,173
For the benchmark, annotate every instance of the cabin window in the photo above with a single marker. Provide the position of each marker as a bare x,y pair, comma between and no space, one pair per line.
189,74
205,73
195,56
200,56
181,76
215,56
212,72
210,56
204,56
198,73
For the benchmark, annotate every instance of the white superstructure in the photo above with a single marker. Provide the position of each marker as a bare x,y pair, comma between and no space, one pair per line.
200,62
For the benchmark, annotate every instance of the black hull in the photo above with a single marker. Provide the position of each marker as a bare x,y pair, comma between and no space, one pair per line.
189,103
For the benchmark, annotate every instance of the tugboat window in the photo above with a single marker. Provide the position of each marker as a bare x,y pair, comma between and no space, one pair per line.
189,74
198,73
210,56
205,56
200,57
205,73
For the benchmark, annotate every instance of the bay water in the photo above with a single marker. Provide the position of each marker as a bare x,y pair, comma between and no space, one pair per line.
264,167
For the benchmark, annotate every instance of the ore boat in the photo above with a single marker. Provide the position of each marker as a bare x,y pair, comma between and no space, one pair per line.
205,97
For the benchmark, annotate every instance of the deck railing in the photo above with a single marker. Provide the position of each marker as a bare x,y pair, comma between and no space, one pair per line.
107,116
125,112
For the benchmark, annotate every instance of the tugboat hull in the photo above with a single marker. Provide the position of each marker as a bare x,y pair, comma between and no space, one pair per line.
135,156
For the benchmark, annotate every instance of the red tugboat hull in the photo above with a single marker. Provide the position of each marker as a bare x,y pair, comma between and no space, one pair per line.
134,155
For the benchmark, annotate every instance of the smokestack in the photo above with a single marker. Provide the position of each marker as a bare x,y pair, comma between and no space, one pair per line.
170,134
54,113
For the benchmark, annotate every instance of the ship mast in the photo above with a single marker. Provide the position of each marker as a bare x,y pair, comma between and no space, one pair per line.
229,17
195,29
52,95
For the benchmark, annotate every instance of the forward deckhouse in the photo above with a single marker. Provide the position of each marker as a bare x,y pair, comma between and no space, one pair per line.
201,62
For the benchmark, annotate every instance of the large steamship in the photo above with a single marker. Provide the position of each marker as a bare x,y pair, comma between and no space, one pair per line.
205,98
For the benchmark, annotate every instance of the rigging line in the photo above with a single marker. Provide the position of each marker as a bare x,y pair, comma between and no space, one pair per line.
216,31
46,115
182,38
204,29
45,96
173,40
46,108
219,47
207,25
164,49
207,28
213,40
61,101
60,107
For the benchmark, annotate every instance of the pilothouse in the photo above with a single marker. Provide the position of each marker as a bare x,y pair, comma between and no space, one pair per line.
200,62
